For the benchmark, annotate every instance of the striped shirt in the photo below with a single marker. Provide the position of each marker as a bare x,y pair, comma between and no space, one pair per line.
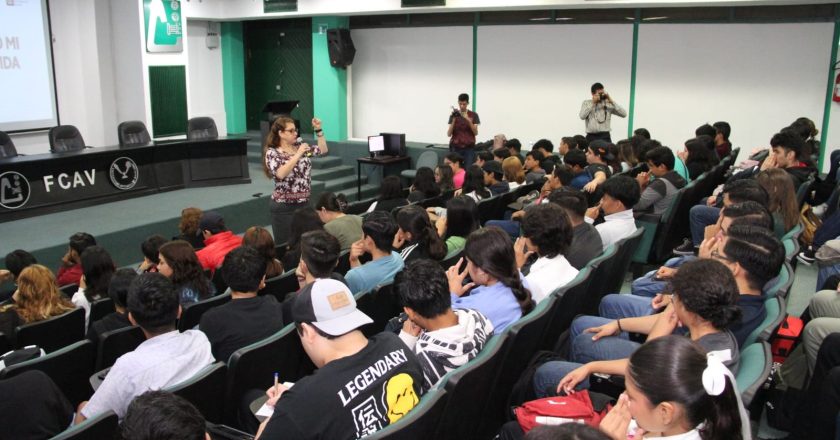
597,116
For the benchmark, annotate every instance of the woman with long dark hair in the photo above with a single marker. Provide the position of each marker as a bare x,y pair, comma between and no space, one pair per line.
460,221
303,220
699,156
444,178
287,163
416,237
474,185
390,195
500,293
260,239
179,263
424,186
782,204
97,269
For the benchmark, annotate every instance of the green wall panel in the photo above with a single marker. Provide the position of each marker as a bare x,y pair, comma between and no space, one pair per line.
168,95
278,67
233,76
330,83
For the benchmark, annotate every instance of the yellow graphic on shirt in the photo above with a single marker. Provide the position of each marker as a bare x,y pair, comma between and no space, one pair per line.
400,396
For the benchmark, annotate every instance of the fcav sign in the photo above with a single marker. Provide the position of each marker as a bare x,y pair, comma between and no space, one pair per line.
67,181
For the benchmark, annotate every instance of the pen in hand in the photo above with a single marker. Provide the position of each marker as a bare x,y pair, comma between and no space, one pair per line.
276,376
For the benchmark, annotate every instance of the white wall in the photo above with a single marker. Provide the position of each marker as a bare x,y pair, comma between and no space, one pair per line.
531,81
406,80
757,77
205,75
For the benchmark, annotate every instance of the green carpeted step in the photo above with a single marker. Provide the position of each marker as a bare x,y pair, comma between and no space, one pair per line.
327,174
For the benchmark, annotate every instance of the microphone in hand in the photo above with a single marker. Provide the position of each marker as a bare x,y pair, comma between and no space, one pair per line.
299,142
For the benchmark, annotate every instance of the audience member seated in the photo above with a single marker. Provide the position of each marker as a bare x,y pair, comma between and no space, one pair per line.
704,301
598,157
752,254
824,313
303,221
533,171
458,221
378,232
218,241
70,271
514,147
547,233
318,258
247,318
416,237
782,202
660,184
118,292
621,193
327,404
456,163
493,175
346,228
787,154
15,262
567,143
699,156
443,178
483,157
576,161
496,289
746,213
179,263
150,247
157,415
503,153
514,175
167,357
188,227
37,298
260,239
722,145
815,416
549,160
390,195
703,215
424,187
474,186
586,241
98,268
33,407
626,155
443,339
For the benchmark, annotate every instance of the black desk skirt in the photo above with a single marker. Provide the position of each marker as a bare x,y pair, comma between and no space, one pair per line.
53,182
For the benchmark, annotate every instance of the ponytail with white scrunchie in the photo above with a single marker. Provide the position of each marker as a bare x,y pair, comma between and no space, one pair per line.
714,382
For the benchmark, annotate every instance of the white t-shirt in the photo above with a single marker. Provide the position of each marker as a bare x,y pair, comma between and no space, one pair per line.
548,274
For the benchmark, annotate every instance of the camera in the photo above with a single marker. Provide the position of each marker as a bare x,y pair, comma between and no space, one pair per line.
602,96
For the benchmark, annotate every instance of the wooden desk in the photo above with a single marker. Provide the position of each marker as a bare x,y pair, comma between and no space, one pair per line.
386,162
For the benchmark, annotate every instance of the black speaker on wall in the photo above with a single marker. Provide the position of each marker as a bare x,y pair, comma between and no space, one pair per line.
341,47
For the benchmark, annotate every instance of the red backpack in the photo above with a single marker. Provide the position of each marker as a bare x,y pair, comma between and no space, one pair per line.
575,407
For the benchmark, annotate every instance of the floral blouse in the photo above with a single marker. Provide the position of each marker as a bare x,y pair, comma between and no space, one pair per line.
297,186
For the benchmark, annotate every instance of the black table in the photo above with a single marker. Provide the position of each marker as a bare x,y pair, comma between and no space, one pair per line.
386,162
51,182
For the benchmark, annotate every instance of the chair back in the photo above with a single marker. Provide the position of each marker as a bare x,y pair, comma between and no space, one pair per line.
380,304
191,315
5,343
344,261
488,209
131,133
523,340
802,191
69,290
100,308
626,248
570,297
776,308
281,285
253,367
673,225
359,208
780,286
116,343
65,138
753,370
70,368
53,333
468,389
98,427
202,128
601,273
205,391
420,423
7,147
219,281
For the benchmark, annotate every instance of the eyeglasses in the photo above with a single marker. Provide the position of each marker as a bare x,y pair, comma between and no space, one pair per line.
291,130
715,254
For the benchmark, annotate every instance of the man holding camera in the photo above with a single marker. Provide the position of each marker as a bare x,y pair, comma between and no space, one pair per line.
463,127
597,113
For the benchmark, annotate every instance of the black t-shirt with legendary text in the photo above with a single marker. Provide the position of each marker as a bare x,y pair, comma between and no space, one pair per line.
351,397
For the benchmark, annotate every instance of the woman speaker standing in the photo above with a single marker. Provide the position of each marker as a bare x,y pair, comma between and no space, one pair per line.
287,161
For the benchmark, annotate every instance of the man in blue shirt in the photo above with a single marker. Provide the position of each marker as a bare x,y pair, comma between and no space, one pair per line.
576,161
378,230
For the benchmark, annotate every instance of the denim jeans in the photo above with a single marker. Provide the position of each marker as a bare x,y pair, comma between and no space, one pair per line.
699,217
825,272
509,226
617,306
648,287
584,349
467,153
549,374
